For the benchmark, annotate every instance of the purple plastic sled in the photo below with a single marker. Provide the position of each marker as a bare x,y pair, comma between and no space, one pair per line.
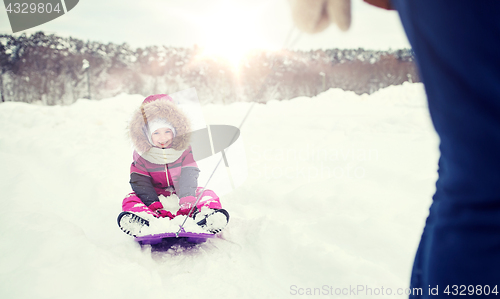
190,237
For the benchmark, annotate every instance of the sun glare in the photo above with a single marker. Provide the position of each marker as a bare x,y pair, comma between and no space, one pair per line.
230,32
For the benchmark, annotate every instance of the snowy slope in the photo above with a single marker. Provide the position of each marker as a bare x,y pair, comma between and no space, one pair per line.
336,196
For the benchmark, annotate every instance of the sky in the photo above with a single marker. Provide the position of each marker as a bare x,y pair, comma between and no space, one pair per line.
219,25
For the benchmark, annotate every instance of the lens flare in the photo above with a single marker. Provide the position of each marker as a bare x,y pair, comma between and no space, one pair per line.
230,32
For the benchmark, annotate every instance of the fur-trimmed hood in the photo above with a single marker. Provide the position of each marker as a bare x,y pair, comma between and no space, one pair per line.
153,107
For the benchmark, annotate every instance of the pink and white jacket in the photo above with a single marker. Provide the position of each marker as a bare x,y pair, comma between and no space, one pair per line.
156,171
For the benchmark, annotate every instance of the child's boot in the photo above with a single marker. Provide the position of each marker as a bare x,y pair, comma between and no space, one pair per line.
213,220
131,224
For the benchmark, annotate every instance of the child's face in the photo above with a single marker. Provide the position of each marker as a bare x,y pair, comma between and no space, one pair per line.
162,137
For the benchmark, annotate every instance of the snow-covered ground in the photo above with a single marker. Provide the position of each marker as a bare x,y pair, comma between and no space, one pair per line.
336,196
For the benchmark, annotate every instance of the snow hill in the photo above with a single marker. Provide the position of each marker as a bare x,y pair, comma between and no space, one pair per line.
336,197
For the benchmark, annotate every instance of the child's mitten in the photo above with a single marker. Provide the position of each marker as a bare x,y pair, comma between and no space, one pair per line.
157,207
186,204
165,214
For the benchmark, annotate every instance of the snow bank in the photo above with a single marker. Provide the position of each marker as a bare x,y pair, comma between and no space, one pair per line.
336,197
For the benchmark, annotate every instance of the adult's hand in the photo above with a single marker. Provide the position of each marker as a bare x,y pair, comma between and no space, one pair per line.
314,16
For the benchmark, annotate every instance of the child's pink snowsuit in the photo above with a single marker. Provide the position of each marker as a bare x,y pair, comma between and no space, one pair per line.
163,171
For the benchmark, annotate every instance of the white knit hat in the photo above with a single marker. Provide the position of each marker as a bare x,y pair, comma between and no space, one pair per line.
157,124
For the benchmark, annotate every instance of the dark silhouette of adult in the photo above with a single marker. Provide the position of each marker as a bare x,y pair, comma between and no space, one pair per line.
457,49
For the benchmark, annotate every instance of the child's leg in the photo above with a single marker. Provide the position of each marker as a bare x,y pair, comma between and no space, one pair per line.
134,204
217,218
208,199
135,216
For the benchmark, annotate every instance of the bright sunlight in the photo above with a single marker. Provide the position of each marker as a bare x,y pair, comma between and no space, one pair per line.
230,32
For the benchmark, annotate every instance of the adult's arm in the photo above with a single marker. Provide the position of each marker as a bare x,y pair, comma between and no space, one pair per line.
385,4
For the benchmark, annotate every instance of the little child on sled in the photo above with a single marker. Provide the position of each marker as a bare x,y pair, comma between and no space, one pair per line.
163,167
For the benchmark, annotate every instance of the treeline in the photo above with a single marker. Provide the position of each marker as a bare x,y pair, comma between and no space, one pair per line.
55,70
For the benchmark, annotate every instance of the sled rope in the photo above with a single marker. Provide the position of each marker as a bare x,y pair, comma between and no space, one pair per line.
259,94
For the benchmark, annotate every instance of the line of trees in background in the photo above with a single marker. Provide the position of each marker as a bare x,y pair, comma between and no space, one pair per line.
57,71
